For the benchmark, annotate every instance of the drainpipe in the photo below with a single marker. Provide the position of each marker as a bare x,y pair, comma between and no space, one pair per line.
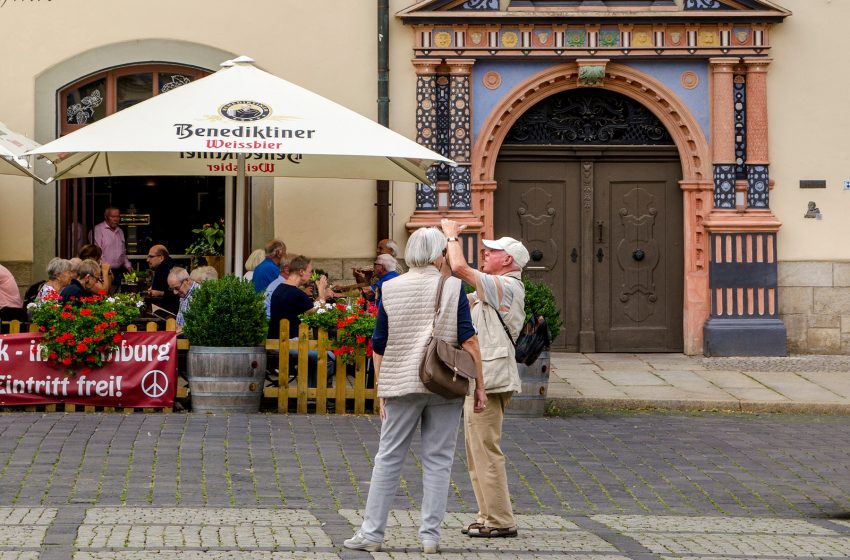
383,187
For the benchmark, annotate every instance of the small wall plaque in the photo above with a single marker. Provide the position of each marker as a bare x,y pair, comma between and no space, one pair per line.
812,184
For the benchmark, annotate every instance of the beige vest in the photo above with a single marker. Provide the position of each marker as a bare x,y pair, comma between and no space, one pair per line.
497,353
408,301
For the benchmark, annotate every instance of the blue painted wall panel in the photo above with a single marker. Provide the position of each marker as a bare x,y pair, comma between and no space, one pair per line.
516,72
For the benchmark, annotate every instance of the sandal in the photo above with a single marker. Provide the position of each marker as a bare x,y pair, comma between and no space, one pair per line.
492,532
472,527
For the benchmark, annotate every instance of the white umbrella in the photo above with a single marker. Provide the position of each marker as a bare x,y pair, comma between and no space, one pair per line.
13,146
239,120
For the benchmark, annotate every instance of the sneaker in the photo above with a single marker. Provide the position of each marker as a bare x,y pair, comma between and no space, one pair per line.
430,547
359,542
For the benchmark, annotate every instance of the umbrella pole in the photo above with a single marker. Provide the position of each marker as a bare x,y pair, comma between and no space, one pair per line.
239,223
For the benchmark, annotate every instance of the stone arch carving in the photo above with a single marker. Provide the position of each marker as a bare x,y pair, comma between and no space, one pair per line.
686,132
694,153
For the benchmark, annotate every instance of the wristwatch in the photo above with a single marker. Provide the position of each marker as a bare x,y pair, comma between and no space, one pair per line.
451,239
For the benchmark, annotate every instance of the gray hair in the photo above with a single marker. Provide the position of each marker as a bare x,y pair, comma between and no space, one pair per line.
388,262
275,247
203,273
75,264
57,266
178,273
424,247
393,246
89,267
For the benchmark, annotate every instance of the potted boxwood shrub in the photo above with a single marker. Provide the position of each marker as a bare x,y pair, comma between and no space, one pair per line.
539,300
226,326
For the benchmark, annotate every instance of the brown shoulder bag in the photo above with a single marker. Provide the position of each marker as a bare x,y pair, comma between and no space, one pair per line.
446,369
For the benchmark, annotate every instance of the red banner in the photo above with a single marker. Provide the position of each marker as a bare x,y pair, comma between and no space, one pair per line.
140,373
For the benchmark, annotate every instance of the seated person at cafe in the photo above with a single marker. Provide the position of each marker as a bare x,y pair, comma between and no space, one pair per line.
59,275
182,285
95,253
267,296
269,269
161,264
385,269
288,302
89,282
11,302
201,274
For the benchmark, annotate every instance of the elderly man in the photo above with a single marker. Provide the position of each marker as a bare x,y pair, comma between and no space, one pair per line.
498,306
89,281
384,269
269,269
387,247
181,285
161,263
110,238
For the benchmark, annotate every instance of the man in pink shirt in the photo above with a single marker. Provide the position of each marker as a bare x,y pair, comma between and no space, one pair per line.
110,238
10,295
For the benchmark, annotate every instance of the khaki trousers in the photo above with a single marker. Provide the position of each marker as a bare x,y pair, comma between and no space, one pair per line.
483,432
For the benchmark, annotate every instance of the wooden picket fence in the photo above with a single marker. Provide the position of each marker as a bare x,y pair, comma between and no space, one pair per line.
346,388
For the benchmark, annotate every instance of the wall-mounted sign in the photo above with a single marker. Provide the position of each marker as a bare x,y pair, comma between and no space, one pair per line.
135,219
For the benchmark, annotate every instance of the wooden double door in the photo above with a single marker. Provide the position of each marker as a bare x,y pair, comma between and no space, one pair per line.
604,229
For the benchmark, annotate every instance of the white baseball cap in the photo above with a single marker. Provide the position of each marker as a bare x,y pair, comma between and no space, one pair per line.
511,246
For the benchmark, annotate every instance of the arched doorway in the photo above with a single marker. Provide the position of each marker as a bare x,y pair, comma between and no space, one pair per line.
588,179
154,209
691,152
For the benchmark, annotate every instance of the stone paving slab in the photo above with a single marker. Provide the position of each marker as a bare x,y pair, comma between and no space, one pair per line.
816,384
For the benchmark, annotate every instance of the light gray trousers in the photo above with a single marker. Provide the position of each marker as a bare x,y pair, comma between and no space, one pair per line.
440,419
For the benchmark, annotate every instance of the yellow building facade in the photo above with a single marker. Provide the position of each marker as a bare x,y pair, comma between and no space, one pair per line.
491,84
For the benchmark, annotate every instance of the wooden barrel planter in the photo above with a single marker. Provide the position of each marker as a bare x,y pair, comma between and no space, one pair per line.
531,402
225,379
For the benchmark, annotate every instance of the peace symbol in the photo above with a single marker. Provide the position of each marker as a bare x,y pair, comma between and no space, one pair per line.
155,383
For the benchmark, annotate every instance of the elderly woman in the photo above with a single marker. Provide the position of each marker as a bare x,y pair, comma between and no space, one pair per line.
59,274
402,333
201,274
89,281
255,258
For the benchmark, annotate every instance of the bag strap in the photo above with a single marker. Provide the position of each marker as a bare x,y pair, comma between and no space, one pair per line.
437,309
504,326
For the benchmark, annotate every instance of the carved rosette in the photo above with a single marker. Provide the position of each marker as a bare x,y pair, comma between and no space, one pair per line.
724,186
757,186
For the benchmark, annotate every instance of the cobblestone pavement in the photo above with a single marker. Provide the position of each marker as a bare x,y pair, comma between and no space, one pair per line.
589,487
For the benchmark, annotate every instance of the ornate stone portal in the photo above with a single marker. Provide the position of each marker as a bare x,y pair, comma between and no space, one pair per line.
725,185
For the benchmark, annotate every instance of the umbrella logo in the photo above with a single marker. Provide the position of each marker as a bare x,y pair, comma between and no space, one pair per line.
244,111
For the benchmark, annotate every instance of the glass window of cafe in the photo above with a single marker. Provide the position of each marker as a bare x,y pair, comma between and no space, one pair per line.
154,209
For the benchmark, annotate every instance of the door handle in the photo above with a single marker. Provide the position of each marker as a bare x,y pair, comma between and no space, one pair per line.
600,254
574,255
600,224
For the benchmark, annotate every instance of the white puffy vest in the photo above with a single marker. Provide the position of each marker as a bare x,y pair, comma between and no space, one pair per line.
408,301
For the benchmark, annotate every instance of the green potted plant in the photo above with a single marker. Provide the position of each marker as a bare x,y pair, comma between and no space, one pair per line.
540,301
209,245
226,327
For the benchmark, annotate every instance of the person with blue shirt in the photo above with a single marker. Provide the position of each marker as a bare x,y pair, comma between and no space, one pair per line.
269,269
385,268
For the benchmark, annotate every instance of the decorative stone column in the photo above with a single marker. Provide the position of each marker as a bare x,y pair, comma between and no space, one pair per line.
742,256
723,131
426,127
757,155
460,133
